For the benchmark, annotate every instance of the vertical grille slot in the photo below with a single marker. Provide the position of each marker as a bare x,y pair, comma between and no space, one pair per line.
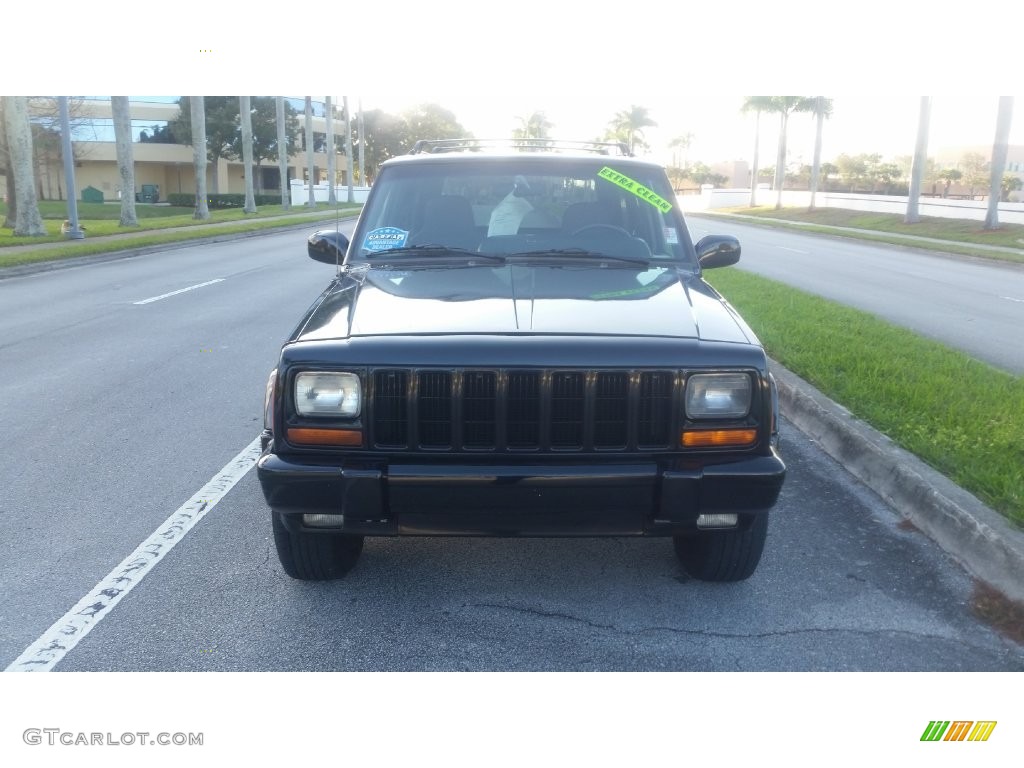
390,409
479,409
567,401
655,410
523,401
611,409
434,409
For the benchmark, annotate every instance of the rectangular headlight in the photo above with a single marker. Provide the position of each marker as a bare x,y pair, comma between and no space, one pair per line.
328,394
718,395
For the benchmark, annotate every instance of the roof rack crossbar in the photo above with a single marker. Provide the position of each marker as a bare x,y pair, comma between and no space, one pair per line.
430,146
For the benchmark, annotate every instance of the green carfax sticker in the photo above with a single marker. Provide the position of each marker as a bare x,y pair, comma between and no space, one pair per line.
636,188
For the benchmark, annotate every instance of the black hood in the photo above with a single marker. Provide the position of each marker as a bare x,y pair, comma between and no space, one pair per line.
522,299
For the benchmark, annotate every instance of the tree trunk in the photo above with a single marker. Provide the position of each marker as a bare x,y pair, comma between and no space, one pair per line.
913,215
348,151
311,200
198,110
215,176
999,151
362,148
780,162
332,196
125,159
5,162
282,156
753,172
245,118
816,165
19,144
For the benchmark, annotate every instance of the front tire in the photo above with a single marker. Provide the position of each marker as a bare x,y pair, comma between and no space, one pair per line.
312,556
730,555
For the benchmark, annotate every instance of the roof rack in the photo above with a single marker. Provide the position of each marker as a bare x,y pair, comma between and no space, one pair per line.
432,146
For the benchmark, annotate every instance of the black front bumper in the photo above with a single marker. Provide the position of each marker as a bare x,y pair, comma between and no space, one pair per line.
599,497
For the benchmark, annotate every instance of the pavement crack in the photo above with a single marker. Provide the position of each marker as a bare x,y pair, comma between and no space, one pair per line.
718,635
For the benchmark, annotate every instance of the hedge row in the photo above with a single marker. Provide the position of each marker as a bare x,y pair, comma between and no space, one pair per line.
221,201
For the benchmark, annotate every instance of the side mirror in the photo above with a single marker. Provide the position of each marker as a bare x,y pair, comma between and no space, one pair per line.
718,251
328,246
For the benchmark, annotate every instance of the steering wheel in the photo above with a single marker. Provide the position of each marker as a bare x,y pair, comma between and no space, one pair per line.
610,228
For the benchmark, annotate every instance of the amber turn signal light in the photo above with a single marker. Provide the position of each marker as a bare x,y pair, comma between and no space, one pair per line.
719,438
307,436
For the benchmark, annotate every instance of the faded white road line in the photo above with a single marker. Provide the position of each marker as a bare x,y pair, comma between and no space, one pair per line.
180,290
1010,298
794,250
69,629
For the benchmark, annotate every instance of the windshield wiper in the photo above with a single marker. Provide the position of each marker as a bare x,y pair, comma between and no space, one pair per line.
583,254
418,252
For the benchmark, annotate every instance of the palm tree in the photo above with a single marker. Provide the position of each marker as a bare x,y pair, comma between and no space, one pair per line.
998,165
332,155
125,159
348,151
245,120
822,109
311,200
919,162
11,213
282,155
628,125
28,222
683,142
785,106
757,105
197,110
536,126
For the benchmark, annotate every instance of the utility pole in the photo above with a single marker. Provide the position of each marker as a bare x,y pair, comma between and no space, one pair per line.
913,215
74,233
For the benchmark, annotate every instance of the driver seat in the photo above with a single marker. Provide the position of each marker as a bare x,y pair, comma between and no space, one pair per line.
579,215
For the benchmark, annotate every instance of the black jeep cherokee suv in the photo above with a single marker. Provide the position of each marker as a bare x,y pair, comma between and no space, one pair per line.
518,342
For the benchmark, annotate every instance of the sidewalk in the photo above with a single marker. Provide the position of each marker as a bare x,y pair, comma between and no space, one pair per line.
915,238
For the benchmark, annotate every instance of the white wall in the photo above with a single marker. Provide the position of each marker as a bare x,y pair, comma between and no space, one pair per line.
321,193
975,210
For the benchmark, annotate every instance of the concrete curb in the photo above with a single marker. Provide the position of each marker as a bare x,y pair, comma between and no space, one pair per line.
984,542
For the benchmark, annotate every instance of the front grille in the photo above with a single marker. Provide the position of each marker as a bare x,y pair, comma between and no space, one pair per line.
521,410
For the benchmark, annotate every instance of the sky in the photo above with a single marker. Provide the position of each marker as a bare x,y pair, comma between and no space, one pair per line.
579,63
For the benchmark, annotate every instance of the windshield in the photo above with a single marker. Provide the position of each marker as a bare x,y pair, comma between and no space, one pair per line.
551,208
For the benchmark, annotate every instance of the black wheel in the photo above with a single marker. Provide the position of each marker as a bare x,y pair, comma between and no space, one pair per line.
730,555
315,557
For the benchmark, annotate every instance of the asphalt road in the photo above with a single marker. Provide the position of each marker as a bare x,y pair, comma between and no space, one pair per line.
116,412
970,304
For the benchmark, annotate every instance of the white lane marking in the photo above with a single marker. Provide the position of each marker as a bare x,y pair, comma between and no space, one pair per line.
180,290
1010,298
794,250
56,642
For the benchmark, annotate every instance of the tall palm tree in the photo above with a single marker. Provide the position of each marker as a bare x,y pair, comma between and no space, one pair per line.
785,106
757,105
197,115
28,221
348,150
683,142
998,165
245,121
11,214
332,155
125,159
282,155
311,199
822,109
629,124
913,215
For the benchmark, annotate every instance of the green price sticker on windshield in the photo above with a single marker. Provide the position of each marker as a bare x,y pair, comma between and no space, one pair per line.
638,189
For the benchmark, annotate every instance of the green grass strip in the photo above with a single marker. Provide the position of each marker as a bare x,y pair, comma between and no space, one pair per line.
961,416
